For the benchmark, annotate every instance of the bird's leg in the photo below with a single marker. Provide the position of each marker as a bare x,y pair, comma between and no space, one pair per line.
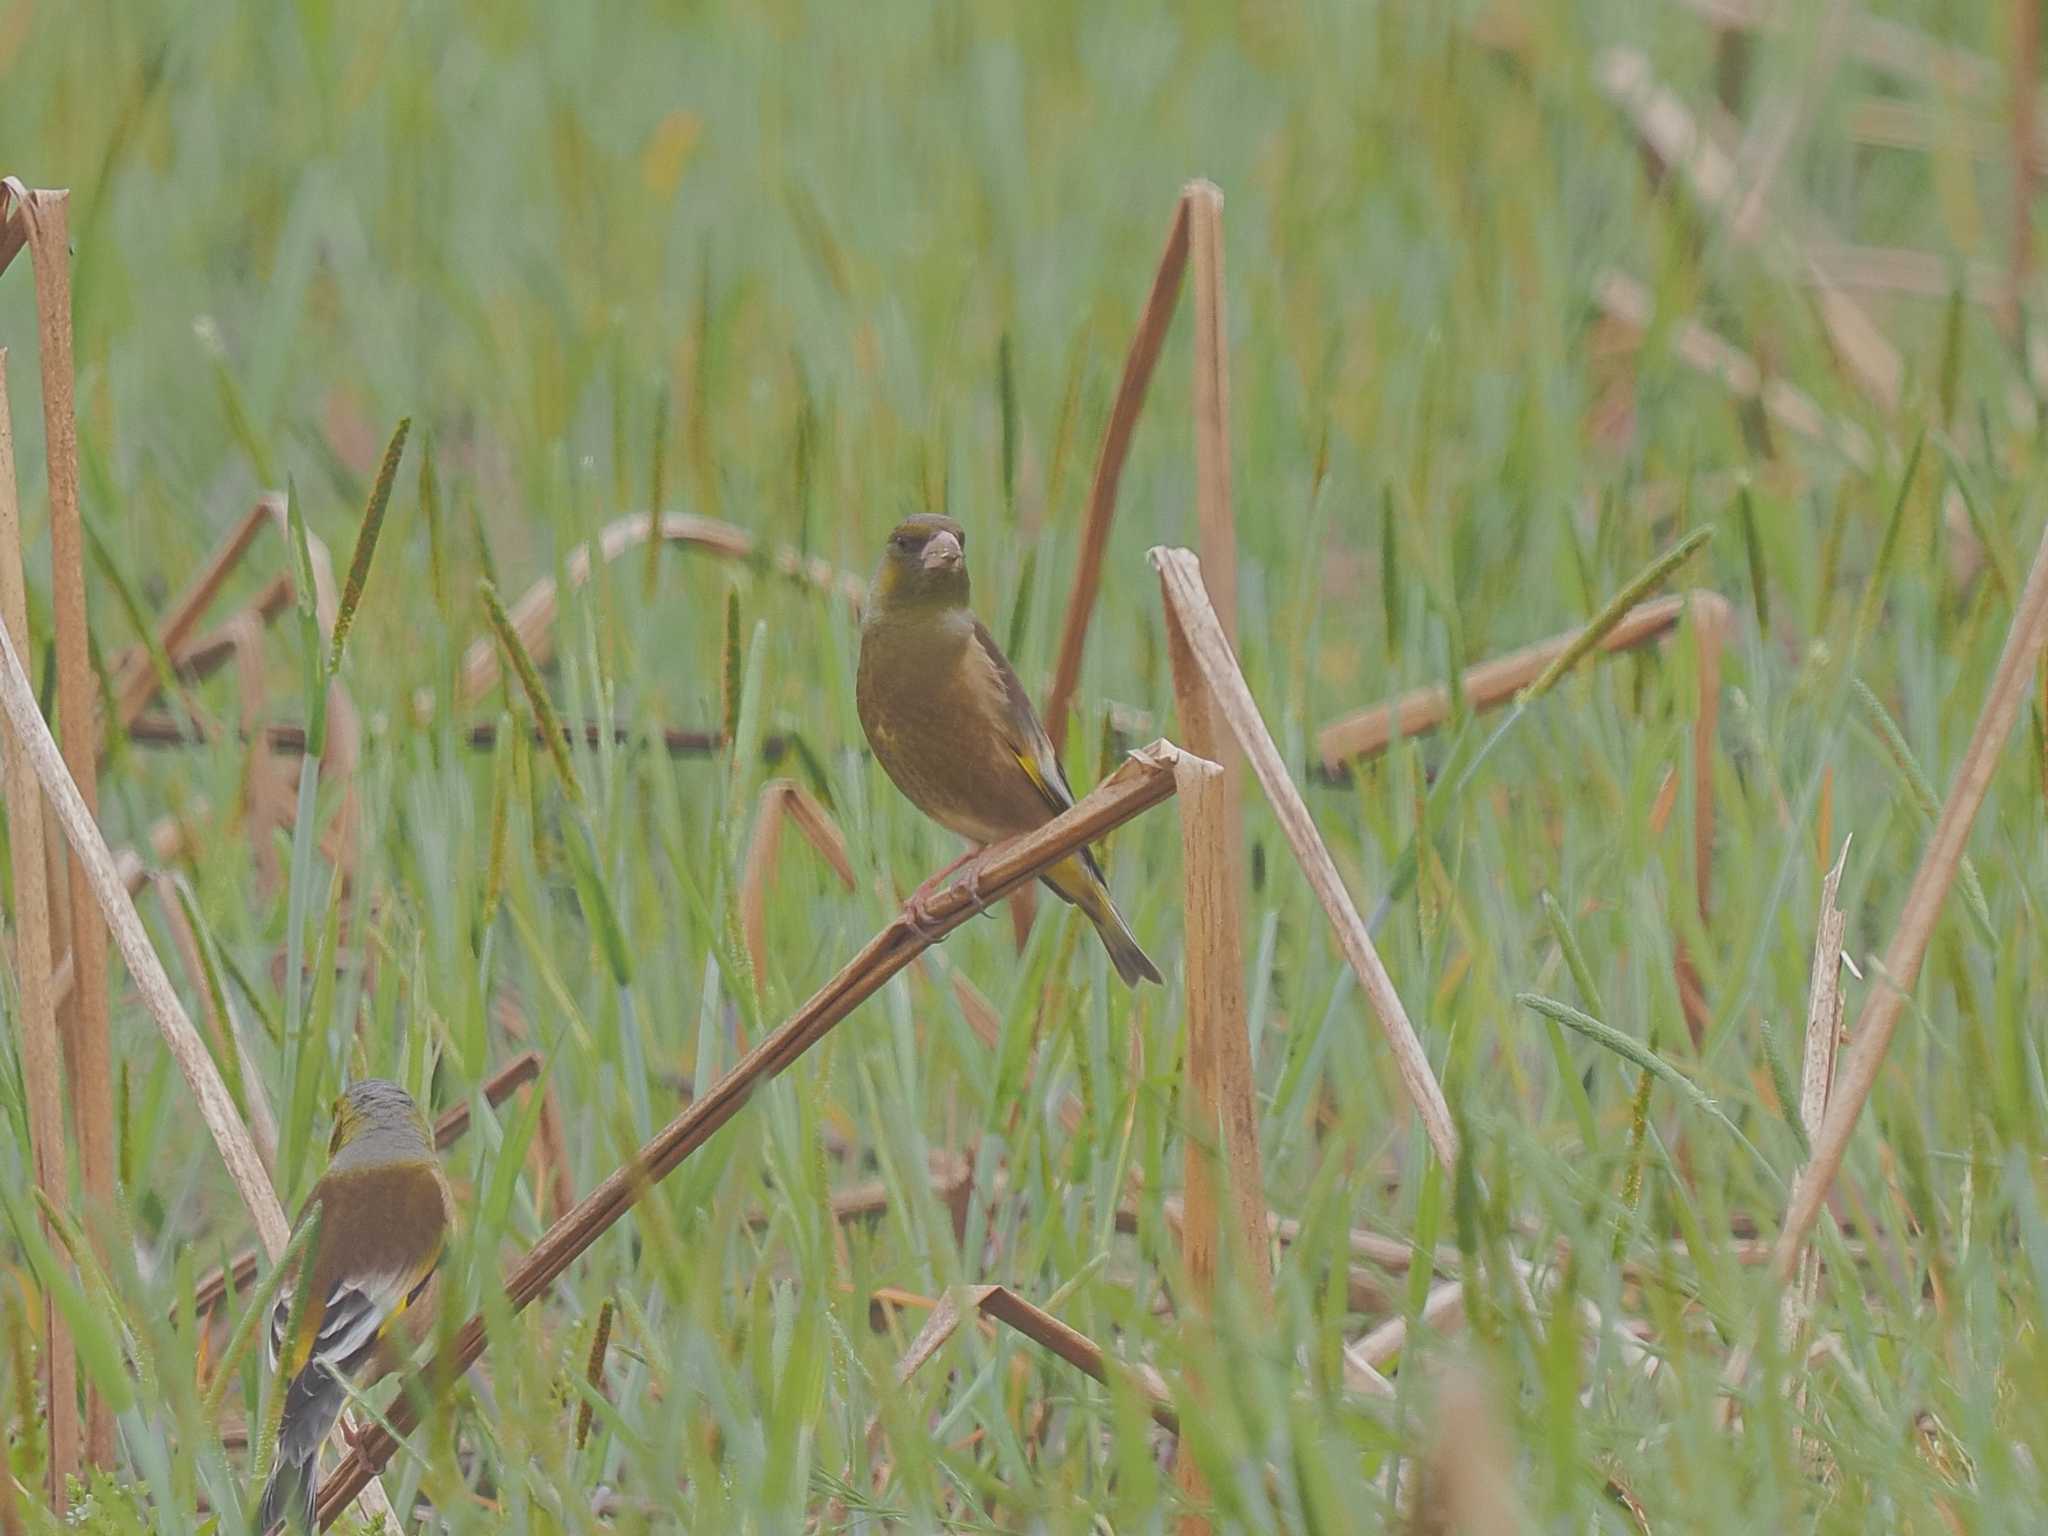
917,910
973,880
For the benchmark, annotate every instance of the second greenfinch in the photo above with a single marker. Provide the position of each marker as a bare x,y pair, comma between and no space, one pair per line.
954,729
384,1217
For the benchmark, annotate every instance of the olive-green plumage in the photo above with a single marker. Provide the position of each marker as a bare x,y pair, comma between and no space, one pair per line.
384,1214
954,729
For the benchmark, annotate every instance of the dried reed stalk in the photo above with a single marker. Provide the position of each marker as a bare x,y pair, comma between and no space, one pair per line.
92,1083
1391,1254
1443,1309
135,678
1223,1133
1143,781
1908,946
1631,305
1180,580
42,1078
1493,683
1466,1481
1677,140
1109,467
533,616
783,800
1001,1304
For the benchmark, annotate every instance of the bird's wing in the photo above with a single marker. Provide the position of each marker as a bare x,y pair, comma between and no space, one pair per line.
1022,733
338,1328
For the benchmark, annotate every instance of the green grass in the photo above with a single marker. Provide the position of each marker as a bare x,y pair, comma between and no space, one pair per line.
881,258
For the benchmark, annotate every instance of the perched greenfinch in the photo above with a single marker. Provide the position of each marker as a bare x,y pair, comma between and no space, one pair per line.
384,1216
954,729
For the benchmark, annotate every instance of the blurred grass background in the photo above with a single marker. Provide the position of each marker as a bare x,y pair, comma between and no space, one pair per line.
808,237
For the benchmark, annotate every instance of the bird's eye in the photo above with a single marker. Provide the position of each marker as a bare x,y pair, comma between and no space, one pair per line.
904,541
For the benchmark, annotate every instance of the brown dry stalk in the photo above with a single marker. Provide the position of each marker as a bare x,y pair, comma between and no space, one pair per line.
1816,1080
1144,780
533,616
1180,580
1466,1480
1627,302
783,800
448,1129
1003,1305
1493,683
1223,1134
42,1077
1109,467
1908,947
116,908
1676,139
1214,523
92,1084
136,681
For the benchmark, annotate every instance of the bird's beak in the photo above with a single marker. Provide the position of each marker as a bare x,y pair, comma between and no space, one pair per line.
942,552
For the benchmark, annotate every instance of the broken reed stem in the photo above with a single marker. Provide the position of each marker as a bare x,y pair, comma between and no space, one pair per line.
783,800
1217,530
1491,684
533,616
1002,1304
1223,1130
1902,957
92,1083
1139,362
136,681
1180,580
1143,781
115,907
42,1077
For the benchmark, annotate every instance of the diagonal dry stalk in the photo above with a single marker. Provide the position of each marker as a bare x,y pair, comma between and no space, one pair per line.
1893,983
1632,306
1676,139
1002,1304
783,800
1493,683
135,679
47,214
1109,467
42,1078
116,908
1180,580
533,616
1144,780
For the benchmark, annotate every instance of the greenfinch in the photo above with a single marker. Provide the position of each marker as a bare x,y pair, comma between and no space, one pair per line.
954,729
384,1217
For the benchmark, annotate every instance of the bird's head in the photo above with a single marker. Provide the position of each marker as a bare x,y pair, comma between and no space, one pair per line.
924,561
376,1116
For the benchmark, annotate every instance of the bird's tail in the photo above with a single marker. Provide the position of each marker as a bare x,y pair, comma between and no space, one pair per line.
1078,880
311,1404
